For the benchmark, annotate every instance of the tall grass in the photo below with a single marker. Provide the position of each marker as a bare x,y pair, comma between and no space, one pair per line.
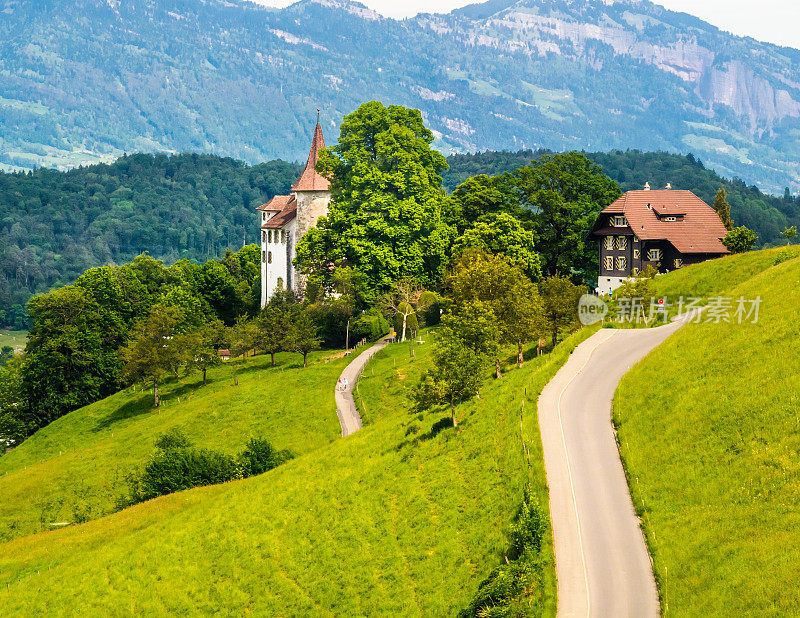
709,431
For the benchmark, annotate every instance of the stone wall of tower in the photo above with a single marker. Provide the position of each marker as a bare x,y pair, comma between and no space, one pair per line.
311,205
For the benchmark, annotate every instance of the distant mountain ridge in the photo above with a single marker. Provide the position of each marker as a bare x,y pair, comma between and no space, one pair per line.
89,79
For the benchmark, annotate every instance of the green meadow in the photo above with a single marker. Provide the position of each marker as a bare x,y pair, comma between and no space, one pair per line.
405,517
13,338
709,430
74,469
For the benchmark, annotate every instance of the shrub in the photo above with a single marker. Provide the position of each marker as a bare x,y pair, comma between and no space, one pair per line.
174,438
176,469
370,325
177,465
513,588
259,456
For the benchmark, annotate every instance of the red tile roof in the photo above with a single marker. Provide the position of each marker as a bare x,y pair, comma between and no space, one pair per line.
277,203
289,212
699,231
310,179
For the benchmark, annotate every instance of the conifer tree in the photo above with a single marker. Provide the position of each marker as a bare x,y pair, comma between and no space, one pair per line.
723,208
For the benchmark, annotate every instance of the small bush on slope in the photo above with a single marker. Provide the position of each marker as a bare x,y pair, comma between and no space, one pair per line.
177,466
516,587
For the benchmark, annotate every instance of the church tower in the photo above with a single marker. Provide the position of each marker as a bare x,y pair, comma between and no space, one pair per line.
285,219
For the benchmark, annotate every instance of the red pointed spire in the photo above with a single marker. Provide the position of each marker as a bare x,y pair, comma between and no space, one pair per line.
310,179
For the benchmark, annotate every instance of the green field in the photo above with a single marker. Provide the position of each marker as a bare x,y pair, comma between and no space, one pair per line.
709,430
76,466
406,517
14,338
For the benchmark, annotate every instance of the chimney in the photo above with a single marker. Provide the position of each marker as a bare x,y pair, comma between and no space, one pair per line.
647,186
669,186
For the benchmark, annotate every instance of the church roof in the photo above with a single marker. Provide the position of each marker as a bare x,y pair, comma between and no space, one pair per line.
286,214
698,228
310,179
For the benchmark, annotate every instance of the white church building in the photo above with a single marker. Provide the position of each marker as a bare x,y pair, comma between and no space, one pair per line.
285,219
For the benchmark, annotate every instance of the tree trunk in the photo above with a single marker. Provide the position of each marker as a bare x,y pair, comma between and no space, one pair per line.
204,375
555,337
497,368
235,378
155,393
305,354
403,336
520,358
273,358
453,412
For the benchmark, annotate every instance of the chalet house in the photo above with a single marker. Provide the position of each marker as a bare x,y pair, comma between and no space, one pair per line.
285,219
665,228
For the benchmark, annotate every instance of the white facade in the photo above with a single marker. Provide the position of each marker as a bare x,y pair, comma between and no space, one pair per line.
285,219
277,255
606,285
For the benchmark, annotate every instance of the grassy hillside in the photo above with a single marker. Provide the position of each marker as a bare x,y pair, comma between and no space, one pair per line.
75,467
405,517
709,429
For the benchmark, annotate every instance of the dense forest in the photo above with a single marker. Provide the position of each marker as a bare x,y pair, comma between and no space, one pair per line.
767,215
55,225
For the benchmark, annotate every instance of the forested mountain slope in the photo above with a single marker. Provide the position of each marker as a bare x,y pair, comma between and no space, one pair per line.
89,79
54,225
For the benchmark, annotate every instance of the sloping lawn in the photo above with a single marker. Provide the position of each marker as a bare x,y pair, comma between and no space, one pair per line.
74,469
709,427
405,517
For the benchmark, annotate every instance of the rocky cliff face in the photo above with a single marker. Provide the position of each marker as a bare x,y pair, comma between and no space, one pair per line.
89,79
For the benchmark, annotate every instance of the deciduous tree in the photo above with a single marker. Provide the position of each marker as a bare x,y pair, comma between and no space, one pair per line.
385,217
740,239
564,192
154,350
560,300
301,335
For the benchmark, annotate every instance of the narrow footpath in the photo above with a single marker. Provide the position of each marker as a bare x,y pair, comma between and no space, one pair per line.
602,563
349,418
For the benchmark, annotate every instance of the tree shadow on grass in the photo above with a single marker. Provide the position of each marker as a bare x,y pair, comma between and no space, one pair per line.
438,427
144,403
136,407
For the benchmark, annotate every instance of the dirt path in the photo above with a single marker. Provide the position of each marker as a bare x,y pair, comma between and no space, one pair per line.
349,418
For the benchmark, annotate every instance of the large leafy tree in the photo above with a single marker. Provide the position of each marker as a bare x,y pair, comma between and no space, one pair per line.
155,348
385,218
564,193
479,196
502,287
503,233
71,355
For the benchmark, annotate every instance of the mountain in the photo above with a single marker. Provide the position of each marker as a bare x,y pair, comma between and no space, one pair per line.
86,80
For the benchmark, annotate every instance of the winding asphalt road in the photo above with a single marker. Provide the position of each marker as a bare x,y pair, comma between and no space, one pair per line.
602,564
349,418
